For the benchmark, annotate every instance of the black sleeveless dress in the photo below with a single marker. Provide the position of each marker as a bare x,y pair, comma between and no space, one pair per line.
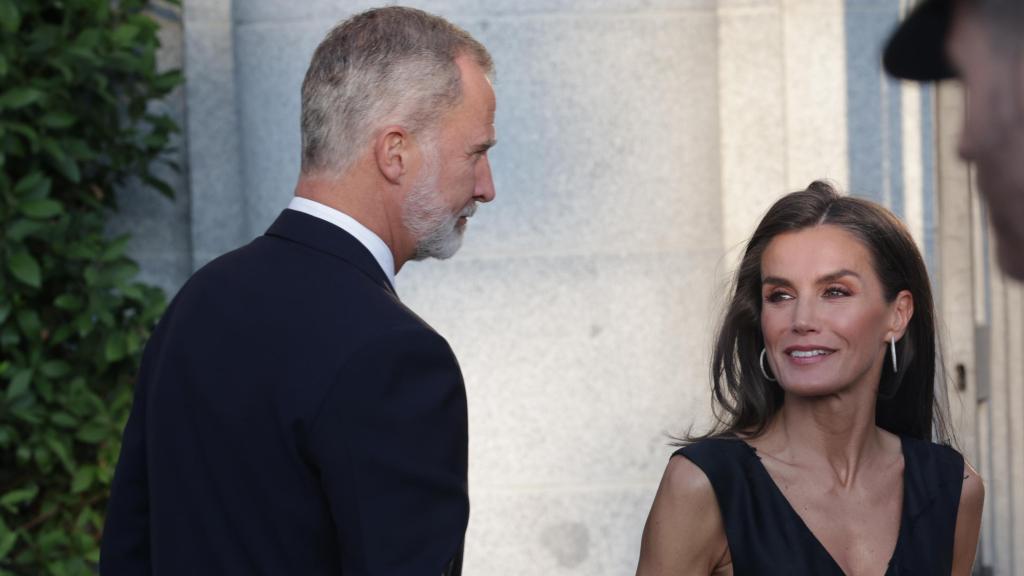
766,536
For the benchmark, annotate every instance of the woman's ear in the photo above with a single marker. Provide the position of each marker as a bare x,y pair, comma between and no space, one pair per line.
902,310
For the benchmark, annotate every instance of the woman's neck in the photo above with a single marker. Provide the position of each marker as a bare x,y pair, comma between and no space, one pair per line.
834,434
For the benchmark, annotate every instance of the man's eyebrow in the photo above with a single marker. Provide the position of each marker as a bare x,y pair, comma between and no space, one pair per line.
483,146
831,277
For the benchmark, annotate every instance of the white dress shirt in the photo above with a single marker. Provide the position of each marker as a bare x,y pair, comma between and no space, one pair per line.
380,251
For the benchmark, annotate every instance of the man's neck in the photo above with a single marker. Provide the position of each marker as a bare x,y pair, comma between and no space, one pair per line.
364,201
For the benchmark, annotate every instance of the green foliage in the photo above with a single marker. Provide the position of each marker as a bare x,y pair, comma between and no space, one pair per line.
77,78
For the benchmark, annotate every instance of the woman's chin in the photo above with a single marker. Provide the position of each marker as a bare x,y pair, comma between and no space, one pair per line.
809,388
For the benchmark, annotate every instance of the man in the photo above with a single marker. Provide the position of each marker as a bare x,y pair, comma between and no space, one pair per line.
981,42
291,415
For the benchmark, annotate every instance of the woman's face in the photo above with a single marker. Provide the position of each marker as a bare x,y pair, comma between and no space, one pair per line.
824,316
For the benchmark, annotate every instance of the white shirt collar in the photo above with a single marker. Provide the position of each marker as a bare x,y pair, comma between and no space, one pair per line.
380,251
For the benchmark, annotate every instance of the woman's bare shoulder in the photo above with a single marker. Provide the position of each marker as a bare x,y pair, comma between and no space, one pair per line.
968,521
686,482
972,493
684,532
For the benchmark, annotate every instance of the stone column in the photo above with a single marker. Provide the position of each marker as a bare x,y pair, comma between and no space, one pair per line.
219,218
782,104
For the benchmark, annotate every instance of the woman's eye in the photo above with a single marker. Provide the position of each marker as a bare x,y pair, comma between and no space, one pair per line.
836,291
777,296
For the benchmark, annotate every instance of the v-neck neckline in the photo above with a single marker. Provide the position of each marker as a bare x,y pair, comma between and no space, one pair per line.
807,529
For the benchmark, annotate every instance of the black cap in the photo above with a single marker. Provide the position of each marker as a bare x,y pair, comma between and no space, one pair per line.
917,49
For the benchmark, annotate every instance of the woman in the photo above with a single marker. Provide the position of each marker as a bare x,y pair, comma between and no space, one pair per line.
823,379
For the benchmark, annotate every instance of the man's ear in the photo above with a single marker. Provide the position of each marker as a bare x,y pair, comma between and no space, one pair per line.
392,150
902,312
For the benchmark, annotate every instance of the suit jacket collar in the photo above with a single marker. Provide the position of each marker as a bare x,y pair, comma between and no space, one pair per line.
326,237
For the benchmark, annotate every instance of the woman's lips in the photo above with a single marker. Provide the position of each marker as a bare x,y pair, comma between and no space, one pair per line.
803,355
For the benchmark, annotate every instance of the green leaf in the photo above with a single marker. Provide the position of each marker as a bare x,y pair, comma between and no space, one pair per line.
10,19
133,343
68,302
5,309
120,272
79,148
62,453
62,333
124,34
25,268
31,184
116,248
19,384
161,186
20,97
44,208
93,433
43,388
55,368
83,479
23,228
133,292
89,37
9,337
25,130
19,496
28,321
8,538
84,54
114,349
64,419
3,66
64,164
43,458
57,120
168,80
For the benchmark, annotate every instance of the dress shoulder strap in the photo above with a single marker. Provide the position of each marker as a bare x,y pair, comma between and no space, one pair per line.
723,460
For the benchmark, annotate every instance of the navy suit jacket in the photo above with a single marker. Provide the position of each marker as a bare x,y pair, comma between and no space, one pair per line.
292,417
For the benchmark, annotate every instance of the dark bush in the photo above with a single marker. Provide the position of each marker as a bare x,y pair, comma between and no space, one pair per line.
77,82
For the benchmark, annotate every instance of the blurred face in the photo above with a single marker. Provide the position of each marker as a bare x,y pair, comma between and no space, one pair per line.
824,317
455,173
993,131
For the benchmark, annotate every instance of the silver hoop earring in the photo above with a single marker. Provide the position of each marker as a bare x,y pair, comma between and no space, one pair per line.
892,348
764,372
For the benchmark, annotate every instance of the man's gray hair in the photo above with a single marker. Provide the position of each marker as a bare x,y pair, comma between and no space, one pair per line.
387,66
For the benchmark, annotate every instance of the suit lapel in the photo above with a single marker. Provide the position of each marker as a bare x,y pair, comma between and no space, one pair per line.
326,237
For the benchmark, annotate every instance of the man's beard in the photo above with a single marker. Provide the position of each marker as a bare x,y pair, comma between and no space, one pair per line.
436,230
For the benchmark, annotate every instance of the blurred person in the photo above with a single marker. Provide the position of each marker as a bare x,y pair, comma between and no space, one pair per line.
982,43
292,416
822,460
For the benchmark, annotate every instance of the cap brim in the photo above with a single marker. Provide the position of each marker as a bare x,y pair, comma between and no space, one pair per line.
917,49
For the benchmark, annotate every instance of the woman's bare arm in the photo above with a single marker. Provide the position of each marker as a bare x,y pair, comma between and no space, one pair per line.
684,534
968,522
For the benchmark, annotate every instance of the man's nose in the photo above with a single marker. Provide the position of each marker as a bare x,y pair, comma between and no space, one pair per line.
484,191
